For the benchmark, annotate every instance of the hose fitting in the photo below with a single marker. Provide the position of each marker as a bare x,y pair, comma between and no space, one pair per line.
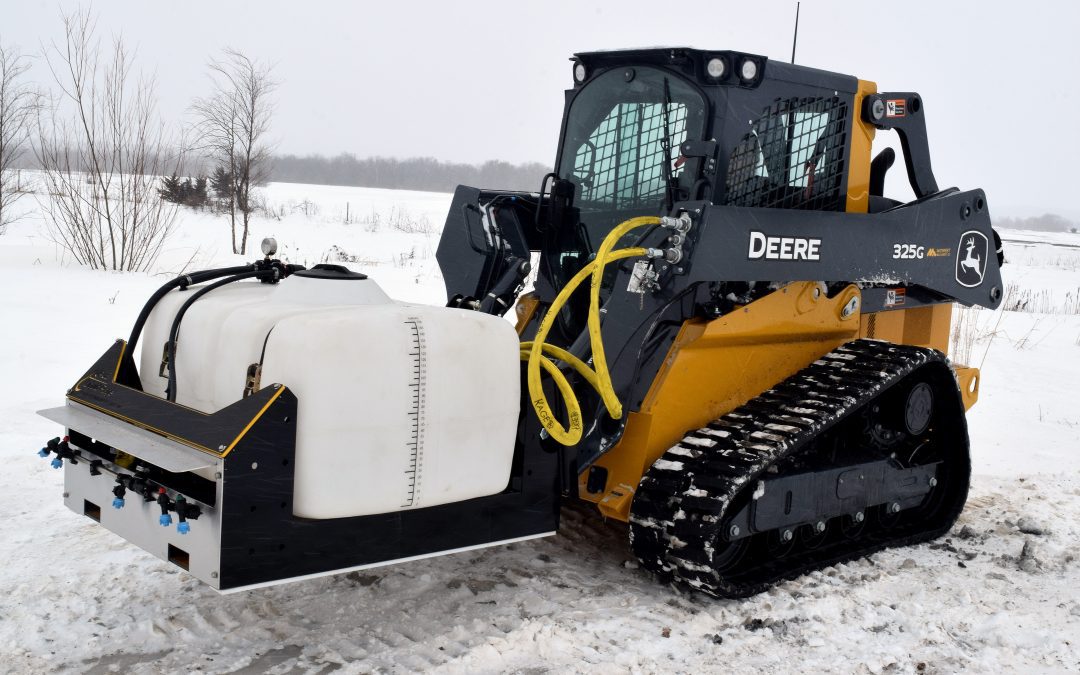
681,223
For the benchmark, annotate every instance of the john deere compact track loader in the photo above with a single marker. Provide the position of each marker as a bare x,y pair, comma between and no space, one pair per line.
734,342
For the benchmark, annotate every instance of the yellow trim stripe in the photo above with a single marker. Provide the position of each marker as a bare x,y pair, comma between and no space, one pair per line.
253,421
123,348
184,441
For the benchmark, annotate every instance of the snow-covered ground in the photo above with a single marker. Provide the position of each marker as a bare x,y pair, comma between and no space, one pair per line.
995,596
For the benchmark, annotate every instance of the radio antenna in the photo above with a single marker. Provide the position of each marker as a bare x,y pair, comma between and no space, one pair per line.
795,39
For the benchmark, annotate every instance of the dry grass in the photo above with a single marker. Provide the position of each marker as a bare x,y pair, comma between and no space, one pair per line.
965,333
1040,301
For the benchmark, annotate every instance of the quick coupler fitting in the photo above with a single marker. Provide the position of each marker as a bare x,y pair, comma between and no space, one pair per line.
680,224
671,255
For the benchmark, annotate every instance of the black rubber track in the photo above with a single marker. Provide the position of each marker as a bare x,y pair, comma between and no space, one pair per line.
680,509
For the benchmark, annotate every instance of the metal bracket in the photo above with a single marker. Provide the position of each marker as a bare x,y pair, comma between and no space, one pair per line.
903,111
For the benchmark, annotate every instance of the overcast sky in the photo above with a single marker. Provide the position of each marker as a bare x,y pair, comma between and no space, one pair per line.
470,81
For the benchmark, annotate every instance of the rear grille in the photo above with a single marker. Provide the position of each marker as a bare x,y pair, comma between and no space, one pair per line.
793,158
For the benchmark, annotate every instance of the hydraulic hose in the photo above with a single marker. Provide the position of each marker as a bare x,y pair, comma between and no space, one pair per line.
607,392
182,280
174,331
600,378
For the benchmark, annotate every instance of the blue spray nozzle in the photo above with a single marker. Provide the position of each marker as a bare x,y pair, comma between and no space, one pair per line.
183,527
56,463
165,520
118,503
44,452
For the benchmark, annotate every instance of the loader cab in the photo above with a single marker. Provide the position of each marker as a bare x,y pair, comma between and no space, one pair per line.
644,130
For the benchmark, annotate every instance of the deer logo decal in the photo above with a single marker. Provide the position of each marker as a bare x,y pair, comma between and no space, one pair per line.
971,257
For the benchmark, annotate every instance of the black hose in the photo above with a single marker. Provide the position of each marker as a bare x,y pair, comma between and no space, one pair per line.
183,280
170,390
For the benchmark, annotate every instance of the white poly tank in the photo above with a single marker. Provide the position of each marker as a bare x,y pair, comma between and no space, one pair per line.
399,406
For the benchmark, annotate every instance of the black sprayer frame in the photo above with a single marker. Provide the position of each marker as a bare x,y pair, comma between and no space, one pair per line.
261,540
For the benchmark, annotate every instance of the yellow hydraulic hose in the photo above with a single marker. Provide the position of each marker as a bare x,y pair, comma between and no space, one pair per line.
599,379
607,392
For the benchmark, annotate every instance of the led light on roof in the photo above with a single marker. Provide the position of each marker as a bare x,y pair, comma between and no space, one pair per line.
579,72
749,69
716,67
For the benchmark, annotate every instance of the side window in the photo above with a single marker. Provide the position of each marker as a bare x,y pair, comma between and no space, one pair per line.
792,158
621,164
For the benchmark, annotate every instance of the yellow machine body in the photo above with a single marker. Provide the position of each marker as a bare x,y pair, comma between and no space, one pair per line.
715,366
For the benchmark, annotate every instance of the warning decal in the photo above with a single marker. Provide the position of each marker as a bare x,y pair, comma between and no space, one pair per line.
895,107
894,297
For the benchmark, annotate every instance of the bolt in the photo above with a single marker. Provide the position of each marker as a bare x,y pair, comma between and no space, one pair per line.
221,448
877,109
933,481
787,535
820,526
894,507
217,474
859,516
66,495
213,575
734,531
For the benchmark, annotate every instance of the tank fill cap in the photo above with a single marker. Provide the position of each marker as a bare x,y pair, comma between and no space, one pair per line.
326,271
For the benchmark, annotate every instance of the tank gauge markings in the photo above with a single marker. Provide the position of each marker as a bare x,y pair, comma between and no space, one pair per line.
418,392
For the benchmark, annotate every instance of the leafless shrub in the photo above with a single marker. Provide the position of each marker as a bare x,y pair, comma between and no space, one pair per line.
19,104
405,259
399,219
102,148
336,254
234,121
403,221
307,207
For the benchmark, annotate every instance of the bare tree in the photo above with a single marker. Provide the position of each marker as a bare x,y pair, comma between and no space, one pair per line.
18,106
234,122
102,148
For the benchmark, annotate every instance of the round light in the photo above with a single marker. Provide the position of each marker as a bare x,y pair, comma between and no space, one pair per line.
749,70
716,67
579,72
269,246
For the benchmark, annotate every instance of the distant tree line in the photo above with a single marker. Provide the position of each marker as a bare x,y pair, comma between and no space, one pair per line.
416,173
1048,222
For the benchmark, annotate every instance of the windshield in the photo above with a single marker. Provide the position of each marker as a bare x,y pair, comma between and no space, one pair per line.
621,152
623,133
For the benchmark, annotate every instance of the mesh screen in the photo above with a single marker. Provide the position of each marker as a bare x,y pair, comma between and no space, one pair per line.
621,164
793,157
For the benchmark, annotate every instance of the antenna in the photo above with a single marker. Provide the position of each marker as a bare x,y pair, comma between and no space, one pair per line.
795,39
